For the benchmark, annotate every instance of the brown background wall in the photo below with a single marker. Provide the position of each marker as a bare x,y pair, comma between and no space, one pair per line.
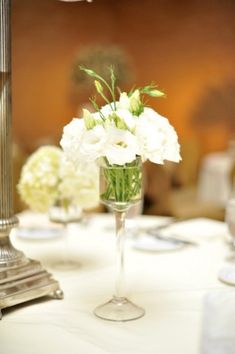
185,46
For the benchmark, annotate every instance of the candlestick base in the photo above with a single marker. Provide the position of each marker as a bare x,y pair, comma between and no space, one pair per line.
26,282
22,279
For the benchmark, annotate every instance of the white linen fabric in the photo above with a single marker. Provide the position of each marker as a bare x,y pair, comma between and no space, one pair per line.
219,322
170,286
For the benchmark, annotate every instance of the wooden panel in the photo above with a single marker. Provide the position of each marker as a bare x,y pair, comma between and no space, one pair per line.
186,48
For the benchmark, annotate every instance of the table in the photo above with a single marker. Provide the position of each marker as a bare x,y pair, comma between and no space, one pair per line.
170,286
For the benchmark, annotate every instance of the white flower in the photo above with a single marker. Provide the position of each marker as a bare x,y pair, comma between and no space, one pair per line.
80,144
128,118
133,103
121,146
47,177
107,109
72,138
124,101
39,178
93,144
157,138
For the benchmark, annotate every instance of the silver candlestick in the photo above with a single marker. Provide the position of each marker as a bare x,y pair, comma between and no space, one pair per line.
21,279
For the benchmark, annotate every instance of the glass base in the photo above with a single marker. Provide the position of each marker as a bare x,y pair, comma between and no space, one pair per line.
227,275
119,309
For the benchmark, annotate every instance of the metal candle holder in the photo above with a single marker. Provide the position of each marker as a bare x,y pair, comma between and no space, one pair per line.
21,279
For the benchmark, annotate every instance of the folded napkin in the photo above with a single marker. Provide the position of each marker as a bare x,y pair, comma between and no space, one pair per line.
218,330
199,227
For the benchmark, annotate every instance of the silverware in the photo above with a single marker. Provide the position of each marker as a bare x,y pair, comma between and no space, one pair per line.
154,231
170,222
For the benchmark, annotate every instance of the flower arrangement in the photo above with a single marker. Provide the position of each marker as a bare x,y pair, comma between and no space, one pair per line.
119,133
48,177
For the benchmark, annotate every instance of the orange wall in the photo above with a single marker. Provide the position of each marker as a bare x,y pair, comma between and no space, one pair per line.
184,46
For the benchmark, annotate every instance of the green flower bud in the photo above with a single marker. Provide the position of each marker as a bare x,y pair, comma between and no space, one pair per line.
156,93
88,71
98,87
88,119
119,122
136,106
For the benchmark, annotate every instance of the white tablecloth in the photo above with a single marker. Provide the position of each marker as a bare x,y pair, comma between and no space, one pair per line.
170,286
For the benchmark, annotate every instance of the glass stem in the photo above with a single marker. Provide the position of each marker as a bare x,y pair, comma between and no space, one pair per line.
65,253
120,217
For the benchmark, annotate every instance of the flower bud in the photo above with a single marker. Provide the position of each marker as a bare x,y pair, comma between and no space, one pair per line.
124,101
156,93
98,86
119,122
88,119
136,105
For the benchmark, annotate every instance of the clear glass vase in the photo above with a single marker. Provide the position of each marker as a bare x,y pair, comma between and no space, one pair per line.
65,213
120,187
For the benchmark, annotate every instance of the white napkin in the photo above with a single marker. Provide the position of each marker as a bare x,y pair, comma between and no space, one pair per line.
218,334
199,227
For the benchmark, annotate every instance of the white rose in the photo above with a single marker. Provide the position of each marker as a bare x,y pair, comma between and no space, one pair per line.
121,146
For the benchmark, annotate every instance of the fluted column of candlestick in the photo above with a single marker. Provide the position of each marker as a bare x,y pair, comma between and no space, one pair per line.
7,218
9,256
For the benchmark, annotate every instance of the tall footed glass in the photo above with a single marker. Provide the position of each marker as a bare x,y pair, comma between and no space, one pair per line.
65,212
120,187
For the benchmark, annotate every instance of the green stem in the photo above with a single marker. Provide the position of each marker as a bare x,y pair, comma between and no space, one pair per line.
122,183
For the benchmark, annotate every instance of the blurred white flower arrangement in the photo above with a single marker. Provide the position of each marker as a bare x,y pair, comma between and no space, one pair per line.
48,177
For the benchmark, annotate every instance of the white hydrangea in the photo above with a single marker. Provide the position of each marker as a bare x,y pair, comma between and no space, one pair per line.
47,177
79,183
39,178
